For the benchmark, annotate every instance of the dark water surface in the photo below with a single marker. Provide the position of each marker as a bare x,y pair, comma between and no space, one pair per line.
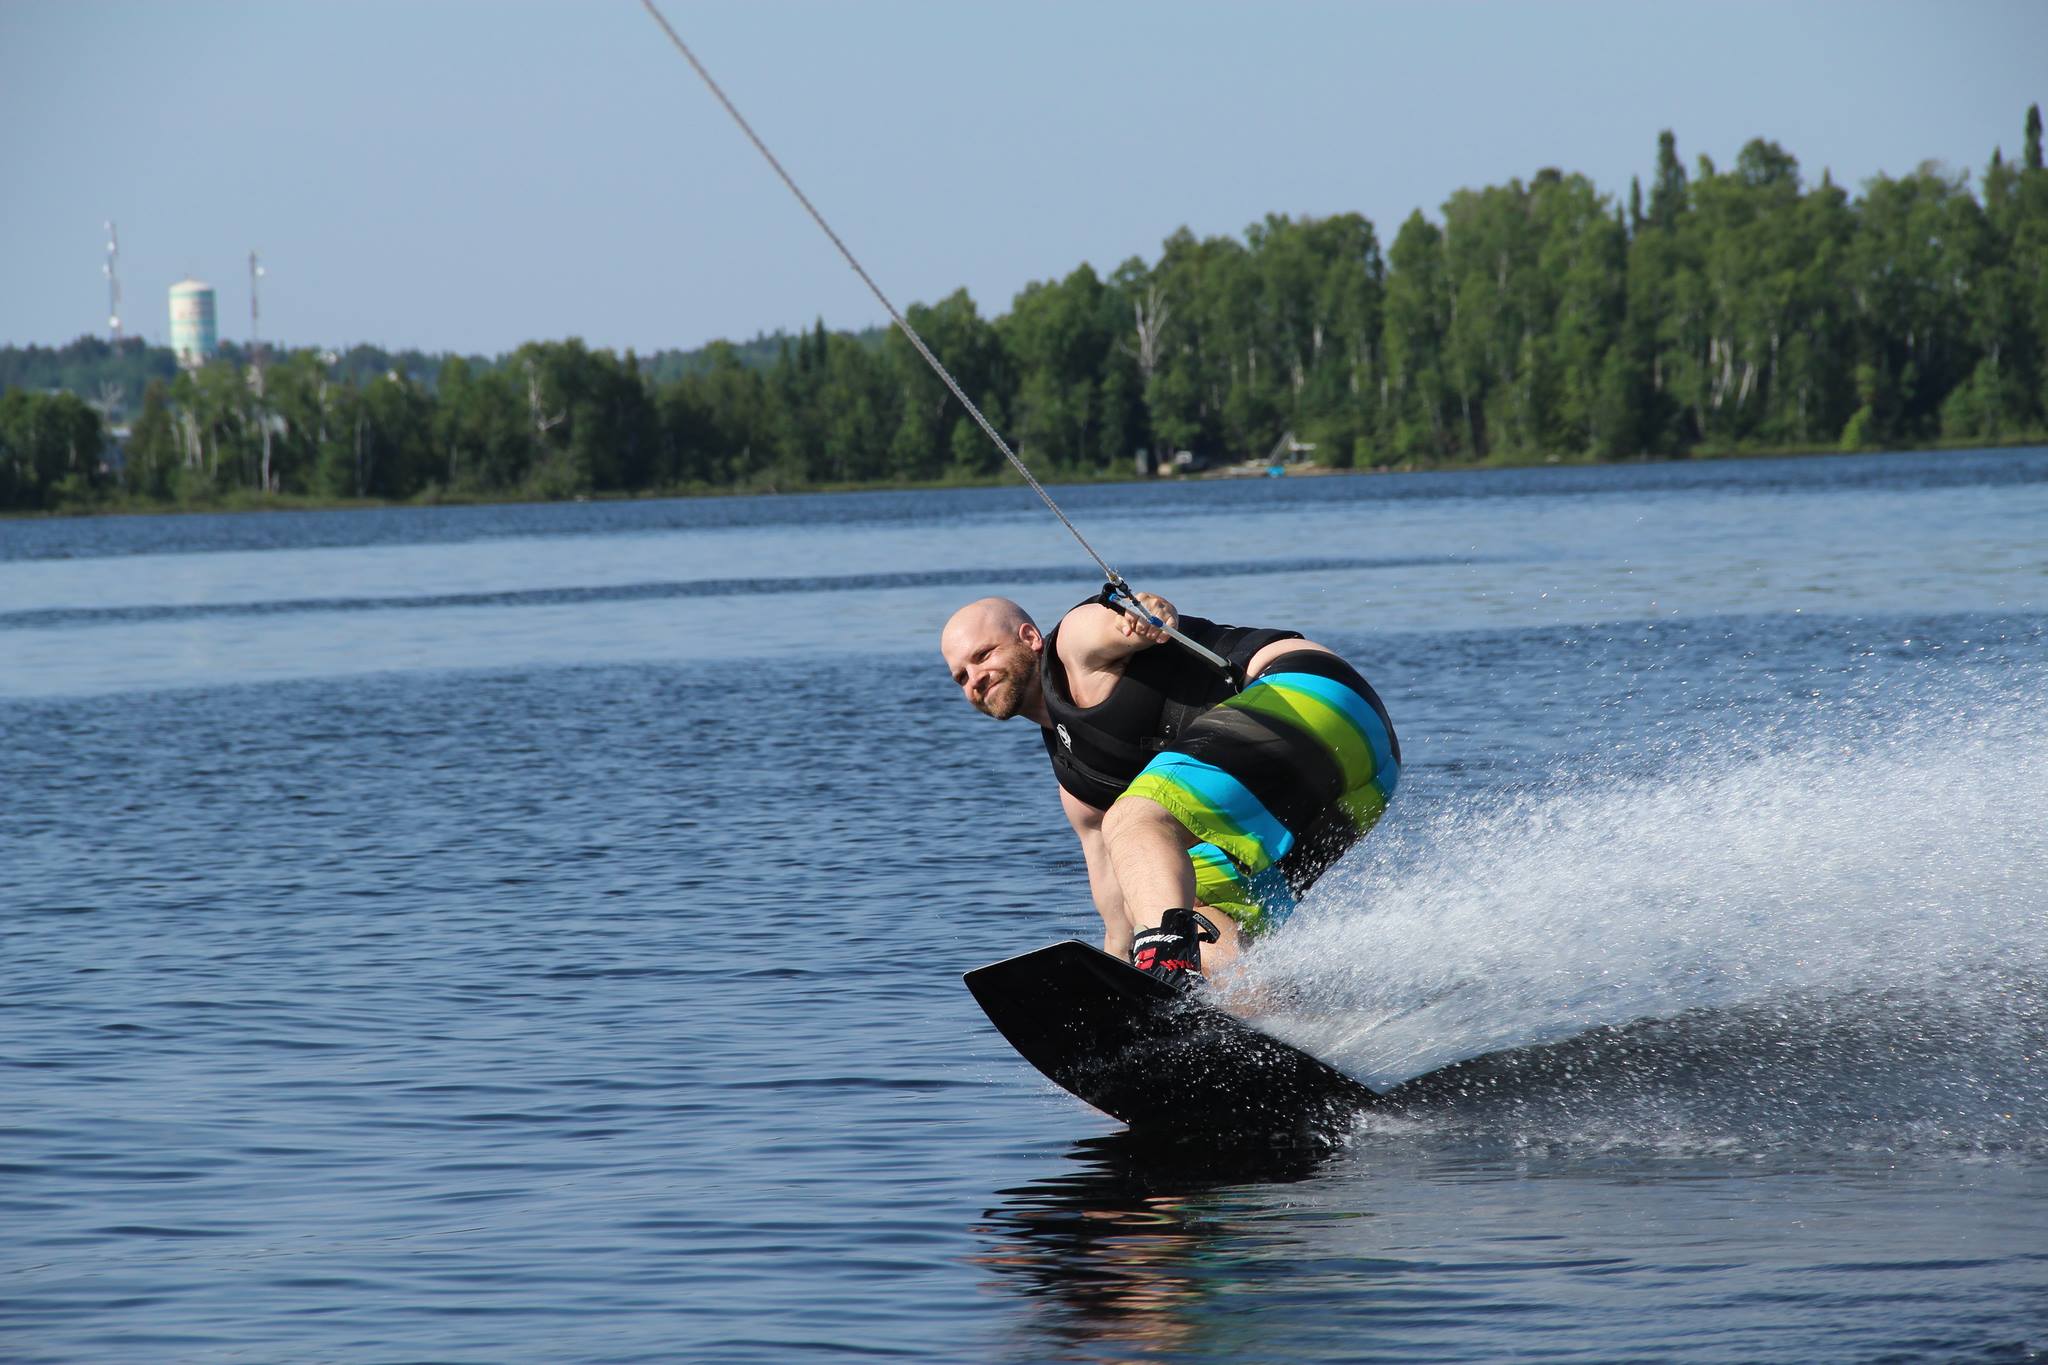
534,933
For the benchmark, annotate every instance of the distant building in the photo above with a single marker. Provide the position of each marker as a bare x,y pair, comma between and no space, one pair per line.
194,334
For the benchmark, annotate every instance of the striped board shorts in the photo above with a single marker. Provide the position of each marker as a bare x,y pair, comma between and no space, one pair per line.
1276,783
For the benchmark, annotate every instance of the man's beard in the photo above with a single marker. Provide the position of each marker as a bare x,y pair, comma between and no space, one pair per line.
1002,700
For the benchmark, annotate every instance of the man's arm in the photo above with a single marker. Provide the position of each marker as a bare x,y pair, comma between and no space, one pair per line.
1109,899
1094,638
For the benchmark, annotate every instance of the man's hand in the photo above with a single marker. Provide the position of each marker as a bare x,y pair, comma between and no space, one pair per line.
1096,638
1133,626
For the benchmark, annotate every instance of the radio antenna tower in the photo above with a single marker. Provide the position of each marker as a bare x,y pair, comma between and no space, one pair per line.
256,365
112,270
255,274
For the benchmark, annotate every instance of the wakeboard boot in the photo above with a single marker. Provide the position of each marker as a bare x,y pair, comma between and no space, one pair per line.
1173,952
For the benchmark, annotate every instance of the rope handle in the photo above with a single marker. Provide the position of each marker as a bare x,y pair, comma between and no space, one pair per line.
1118,596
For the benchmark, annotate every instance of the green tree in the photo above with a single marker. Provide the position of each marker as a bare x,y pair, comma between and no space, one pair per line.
1813,385
926,434
1323,297
1915,249
1743,236
150,462
380,441
1667,190
218,426
719,426
1417,418
299,393
1060,336
2000,397
50,449
857,414
2026,232
1184,392
1578,294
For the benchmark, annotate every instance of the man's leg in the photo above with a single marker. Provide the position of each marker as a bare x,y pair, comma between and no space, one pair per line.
1304,749
1148,848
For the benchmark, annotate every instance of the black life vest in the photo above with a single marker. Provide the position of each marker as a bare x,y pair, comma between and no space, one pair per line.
1097,750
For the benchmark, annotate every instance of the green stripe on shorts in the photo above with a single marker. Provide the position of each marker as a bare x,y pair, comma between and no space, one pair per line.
1199,817
1331,728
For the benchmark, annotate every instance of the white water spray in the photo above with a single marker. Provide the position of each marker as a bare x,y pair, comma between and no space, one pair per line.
1831,869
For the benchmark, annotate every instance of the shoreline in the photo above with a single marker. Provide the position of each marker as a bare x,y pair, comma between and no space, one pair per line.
249,502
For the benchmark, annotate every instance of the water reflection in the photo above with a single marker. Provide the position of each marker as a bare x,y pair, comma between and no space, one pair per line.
1119,1253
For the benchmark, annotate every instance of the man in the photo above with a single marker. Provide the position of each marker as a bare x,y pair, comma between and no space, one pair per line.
1204,804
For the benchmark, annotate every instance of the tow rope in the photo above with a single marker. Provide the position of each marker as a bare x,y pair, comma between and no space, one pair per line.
1116,588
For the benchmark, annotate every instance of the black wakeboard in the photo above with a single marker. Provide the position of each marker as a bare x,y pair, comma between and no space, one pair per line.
1143,1053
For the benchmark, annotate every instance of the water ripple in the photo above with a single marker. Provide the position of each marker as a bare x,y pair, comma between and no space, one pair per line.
42,618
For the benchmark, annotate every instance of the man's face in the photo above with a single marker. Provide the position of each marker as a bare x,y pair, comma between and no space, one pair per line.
997,671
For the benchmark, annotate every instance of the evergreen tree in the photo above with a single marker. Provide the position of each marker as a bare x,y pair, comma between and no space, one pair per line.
1667,192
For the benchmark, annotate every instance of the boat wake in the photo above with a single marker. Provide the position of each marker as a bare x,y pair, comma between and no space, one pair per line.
1841,929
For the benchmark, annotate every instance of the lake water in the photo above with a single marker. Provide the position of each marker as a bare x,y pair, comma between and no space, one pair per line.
534,933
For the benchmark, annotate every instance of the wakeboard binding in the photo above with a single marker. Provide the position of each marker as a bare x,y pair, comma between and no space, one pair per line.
1173,952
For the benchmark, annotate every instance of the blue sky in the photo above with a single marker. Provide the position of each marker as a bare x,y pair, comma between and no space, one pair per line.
458,175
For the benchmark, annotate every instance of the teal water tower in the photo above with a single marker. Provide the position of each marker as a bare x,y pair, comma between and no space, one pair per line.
194,334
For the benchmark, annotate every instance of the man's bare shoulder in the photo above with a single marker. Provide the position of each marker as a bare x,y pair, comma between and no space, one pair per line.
1084,632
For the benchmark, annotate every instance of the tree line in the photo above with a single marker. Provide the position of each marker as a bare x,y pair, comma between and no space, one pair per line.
1724,310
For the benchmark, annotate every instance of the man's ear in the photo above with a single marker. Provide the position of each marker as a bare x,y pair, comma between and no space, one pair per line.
1028,633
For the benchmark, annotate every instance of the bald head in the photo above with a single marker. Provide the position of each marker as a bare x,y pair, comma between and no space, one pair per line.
991,648
989,615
